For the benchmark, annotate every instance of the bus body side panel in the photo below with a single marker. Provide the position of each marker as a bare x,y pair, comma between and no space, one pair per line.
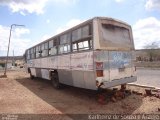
82,70
52,62
37,63
48,64
73,69
64,72
90,80
40,67
33,71
45,74
31,65
65,76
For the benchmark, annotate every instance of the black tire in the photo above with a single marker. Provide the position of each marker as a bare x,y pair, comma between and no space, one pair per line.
55,81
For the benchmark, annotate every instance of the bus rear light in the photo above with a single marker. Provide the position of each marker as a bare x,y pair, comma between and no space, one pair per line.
99,65
99,73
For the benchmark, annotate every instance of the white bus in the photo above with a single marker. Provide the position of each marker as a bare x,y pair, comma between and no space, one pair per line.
97,53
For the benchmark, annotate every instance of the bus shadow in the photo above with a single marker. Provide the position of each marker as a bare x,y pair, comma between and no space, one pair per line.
72,100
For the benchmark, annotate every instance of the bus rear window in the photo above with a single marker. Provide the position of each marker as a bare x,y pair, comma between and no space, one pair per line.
115,36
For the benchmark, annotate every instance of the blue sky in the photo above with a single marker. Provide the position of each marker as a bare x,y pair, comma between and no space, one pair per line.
45,18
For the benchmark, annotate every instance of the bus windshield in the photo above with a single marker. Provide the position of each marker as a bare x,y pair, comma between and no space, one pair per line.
115,36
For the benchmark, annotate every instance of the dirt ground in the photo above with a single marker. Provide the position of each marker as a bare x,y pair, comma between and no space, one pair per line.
21,95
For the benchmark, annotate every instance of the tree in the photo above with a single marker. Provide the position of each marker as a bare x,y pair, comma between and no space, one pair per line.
150,49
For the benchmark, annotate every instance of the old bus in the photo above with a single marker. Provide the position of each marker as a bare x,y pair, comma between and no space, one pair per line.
97,53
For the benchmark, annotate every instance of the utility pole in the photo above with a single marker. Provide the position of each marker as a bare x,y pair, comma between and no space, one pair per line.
5,71
13,61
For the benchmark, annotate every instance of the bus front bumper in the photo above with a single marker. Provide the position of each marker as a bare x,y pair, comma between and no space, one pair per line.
117,82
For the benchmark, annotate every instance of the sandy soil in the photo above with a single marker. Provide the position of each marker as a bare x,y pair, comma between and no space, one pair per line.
21,95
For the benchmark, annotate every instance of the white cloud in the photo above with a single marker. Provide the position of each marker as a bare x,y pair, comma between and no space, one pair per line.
18,44
146,31
22,13
25,6
69,24
152,5
31,6
21,31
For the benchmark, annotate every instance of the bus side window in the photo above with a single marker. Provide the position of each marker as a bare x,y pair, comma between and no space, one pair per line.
65,41
52,47
53,51
38,51
76,35
60,49
83,45
44,49
74,47
85,31
31,53
28,54
81,38
66,48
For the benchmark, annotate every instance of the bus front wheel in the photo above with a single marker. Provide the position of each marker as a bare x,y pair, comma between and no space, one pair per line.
55,80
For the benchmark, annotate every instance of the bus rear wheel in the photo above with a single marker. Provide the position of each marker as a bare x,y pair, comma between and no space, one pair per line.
55,80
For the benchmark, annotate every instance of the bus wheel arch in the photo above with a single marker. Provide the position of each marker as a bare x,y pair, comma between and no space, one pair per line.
29,71
55,79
